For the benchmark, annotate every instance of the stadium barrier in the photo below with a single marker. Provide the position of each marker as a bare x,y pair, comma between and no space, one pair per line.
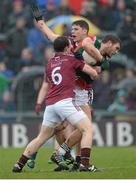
110,129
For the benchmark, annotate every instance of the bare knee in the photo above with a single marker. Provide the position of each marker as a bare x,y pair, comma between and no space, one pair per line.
86,126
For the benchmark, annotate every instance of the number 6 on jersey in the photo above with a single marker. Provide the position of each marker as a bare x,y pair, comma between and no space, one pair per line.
56,77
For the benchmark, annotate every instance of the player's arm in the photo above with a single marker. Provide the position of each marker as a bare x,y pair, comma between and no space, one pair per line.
89,47
41,96
90,71
41,24
46,30
43,92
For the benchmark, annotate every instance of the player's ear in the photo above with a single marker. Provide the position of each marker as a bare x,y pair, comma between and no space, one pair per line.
85,31
110,43
66,49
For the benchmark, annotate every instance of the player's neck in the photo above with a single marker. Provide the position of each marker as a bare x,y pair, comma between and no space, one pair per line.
59,53
102,49
82,38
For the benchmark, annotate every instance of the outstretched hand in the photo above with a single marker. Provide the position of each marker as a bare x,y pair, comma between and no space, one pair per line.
36,12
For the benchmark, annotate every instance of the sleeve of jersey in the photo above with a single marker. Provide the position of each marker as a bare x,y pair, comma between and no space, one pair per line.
78,64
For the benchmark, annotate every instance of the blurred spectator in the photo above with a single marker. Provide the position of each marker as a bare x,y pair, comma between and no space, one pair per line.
15,42
121,6
18,11
118,75
89,11
2,48
6,72
131,4
6,101
48,54
5,9
130,73
51,10
27,60
120,103
131,100
36,41
42,3
108,14
127,28
64,8
127,33
102,91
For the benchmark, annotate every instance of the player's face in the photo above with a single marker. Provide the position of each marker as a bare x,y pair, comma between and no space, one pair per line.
78,33
112,49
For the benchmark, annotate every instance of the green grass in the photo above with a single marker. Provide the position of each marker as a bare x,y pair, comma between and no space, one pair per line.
117,163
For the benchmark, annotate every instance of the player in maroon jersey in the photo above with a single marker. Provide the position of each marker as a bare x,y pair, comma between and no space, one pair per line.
58,90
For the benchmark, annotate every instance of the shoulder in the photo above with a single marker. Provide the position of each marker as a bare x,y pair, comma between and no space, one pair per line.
89,39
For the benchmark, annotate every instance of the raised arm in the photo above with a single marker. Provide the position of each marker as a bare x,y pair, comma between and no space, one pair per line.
41,24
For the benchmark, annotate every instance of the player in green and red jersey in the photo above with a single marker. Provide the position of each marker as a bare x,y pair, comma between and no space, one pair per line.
109,46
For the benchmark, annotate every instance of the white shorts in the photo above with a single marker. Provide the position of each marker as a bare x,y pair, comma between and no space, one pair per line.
83,97
64,109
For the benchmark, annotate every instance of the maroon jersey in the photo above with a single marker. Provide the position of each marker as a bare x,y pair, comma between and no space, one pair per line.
60,74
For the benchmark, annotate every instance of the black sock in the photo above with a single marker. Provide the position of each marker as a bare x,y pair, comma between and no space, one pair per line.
22,161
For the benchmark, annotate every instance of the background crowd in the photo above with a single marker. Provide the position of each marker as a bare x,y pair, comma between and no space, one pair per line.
23,46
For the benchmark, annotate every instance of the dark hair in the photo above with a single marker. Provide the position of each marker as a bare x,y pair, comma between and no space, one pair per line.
83,24
60,43
114,39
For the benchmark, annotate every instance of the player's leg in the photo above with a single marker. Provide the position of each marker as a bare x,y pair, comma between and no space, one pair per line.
69,156
61,133
50,120
86,108
83,99
59,139
78,118
76,136
33,146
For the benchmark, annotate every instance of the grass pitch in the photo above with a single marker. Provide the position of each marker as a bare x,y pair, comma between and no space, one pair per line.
117,163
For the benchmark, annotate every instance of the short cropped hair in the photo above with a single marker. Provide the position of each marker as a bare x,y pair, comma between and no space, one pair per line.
82,23
113,38
60,43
